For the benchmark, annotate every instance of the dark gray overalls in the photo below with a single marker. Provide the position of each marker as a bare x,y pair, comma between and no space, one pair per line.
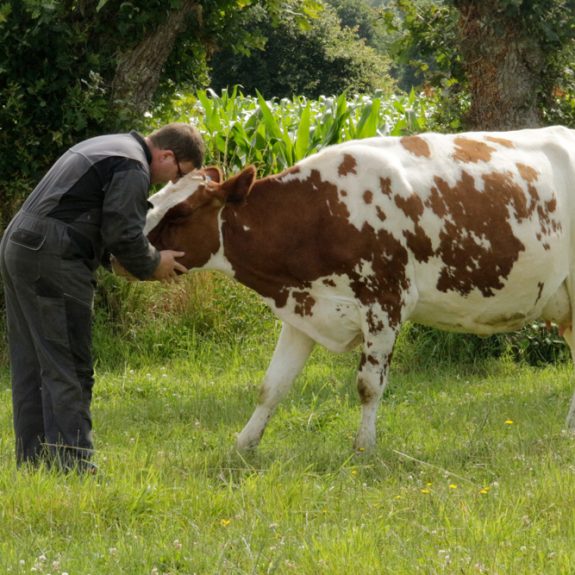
93,200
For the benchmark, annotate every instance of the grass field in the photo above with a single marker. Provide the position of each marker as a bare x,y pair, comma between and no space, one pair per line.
472,474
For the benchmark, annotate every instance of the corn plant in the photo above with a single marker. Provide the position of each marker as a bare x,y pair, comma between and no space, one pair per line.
275,134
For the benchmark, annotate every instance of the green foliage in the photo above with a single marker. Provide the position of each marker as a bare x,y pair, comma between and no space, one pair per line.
364,19
425,55
323,58
537,344
560,102
424,48
422,347
274,134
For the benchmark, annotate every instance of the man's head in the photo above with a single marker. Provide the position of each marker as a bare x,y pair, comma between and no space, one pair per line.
177,149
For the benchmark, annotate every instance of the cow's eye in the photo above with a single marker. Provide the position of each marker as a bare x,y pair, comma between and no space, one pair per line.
150,205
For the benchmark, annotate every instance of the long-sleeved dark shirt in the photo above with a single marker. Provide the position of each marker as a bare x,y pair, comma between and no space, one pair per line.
100,189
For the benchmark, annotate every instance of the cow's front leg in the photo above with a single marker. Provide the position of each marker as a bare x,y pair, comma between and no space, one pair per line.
291,353
371,383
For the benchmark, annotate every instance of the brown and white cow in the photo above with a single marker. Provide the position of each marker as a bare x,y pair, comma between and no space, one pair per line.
470,232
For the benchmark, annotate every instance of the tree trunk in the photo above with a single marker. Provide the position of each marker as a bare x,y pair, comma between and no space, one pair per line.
504,65
139,69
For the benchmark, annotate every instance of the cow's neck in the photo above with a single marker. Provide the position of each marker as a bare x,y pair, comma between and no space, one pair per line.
260,238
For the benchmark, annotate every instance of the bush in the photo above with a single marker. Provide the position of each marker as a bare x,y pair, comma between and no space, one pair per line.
422,347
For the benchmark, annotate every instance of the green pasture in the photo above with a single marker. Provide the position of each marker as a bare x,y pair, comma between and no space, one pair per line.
472,473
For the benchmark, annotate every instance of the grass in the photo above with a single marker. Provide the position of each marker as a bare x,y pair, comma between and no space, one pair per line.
472,474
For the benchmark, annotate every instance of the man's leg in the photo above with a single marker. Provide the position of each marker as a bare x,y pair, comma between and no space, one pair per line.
50,323
64,301
25,373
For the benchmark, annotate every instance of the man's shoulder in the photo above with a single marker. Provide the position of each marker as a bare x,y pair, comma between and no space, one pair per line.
111,145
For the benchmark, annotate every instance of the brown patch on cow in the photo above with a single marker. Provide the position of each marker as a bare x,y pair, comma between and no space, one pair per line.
370,359
329,282
551,205
419,243
416,145
501,141
502,185
412,206
375,324
385,186
478,247
477,244
368,197
289,247
549,225
472,151
363,389
347,165
528,173
304,303
380,213
540,285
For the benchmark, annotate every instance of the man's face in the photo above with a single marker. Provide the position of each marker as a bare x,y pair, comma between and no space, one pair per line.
166,167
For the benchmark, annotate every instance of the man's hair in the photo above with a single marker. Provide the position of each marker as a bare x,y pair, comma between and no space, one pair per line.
183,139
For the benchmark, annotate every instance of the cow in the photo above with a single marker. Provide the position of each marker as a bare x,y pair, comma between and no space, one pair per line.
470,232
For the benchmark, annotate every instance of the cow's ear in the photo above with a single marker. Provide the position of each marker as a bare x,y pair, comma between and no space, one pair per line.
237,187
213,173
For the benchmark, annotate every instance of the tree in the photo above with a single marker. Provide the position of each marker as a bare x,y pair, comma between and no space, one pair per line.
366,20
508,55
510,49
324,59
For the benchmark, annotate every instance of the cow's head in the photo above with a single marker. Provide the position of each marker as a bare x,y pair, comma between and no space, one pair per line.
184,216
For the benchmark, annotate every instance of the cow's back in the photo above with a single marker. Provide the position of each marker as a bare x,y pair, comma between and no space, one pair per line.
484,220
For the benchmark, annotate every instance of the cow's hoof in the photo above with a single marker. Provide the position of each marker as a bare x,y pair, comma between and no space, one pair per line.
361,445
246,444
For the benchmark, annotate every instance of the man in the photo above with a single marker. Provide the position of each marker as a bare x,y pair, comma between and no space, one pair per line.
92,201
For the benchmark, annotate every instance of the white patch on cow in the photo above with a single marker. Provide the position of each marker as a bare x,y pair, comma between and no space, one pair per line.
334,323
218,261
169,196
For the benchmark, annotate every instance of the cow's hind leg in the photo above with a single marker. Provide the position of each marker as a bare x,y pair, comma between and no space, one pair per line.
371,383
565,316
570,339
291,353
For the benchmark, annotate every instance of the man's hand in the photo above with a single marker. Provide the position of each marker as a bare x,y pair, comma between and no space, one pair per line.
168,267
